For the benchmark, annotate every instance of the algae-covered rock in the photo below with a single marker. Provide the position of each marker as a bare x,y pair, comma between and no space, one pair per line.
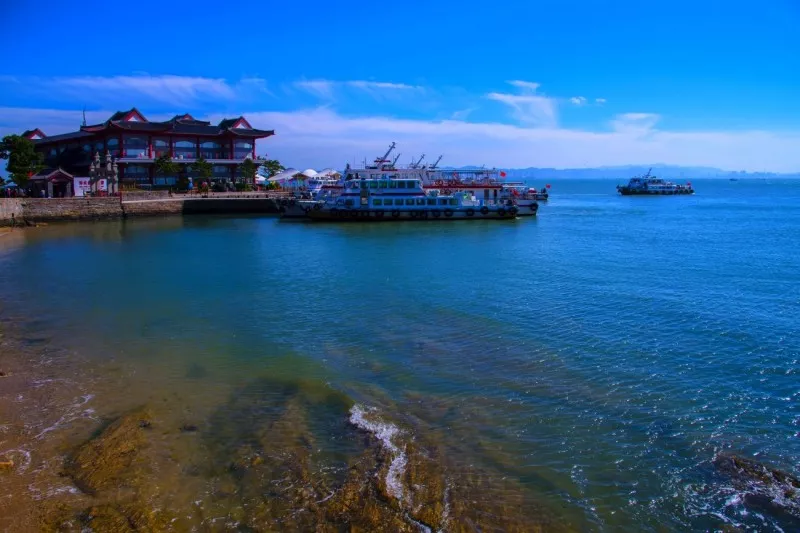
111,457
123,518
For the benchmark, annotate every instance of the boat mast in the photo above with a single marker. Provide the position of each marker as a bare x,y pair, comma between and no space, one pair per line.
394,162
383,159
433,166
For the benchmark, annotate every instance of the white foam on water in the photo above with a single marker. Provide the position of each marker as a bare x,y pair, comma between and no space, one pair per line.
74,412
385,433
22,465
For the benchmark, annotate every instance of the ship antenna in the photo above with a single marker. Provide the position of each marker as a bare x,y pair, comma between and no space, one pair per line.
83,124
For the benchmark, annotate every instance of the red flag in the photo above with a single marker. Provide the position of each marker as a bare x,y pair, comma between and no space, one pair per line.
502,174
548,185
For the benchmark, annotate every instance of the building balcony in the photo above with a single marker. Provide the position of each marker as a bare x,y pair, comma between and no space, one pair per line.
144,159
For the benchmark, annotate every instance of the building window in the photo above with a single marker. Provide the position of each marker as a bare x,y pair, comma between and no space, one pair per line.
112,146
165,181
185,149
242,149
137,173
212,150
99,148
134,147
160,147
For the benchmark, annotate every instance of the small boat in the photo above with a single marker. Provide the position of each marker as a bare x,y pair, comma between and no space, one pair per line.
651,185
387,199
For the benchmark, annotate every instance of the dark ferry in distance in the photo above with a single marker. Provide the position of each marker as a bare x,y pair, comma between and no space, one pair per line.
649,185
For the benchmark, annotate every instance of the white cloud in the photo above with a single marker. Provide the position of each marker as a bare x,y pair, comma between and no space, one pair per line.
599,101
462,114
141,88
578,100
319,88
322,138
532,110
635,123
337,139
361,84
526,86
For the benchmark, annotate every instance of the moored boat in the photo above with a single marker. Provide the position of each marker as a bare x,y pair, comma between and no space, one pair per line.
651,185
397,199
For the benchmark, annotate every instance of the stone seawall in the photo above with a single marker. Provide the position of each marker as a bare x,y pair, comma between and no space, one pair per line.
153,208
34,210
10,211
67,209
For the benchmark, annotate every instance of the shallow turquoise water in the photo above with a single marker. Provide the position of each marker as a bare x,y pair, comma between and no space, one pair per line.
600,354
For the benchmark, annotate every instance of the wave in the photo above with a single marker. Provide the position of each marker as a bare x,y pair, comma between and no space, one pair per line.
387,434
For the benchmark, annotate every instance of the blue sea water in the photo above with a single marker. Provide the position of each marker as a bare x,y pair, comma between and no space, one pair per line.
599,355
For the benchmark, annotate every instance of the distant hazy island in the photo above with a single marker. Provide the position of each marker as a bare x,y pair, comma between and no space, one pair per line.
625,172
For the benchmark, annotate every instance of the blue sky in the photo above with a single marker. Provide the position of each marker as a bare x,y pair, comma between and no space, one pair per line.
509,84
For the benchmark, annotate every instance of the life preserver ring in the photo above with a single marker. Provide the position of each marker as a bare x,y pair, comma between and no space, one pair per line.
395,213
448,212
484,210
317,207
470,212
501,212
436,213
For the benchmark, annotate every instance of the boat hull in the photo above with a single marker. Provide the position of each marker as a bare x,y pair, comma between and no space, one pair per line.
372,215
626,191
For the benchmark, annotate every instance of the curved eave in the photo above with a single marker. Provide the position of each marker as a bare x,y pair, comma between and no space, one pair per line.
254,134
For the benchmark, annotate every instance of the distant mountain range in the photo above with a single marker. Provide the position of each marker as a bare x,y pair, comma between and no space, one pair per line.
672,172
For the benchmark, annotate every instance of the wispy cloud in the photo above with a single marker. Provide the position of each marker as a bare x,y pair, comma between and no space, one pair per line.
578,100
319,88
529,108
526,86
462,114
599,101
635,123
632,139
114,91
330,89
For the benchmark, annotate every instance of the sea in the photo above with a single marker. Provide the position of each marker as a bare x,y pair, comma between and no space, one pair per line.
598,358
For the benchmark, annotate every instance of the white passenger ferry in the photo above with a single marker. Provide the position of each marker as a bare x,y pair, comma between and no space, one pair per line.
403,198
651,185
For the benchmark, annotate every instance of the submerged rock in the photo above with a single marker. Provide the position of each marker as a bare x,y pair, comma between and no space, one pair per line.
768,490
110,458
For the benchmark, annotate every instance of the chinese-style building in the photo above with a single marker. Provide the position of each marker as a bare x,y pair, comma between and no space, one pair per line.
135,143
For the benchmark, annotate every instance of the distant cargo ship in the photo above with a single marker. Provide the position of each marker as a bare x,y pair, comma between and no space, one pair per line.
649,185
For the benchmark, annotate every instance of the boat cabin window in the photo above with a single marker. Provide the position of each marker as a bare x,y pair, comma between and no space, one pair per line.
409,201
442,201
348,202
401,184
388,201
364,185
420,201
392,184
383,184
377,201
431,201
453,201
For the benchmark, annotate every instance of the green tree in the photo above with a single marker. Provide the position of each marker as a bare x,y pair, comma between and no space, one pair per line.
165,166
249,169
23,159
204,169
272,167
